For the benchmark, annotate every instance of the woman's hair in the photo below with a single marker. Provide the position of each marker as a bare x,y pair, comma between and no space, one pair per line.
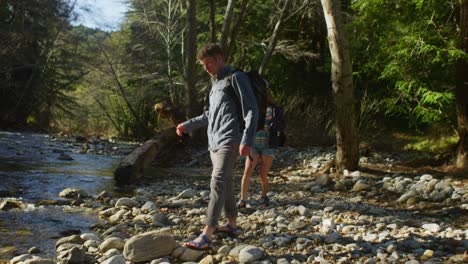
209,50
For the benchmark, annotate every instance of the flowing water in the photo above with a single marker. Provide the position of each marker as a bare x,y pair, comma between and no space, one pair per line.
30,171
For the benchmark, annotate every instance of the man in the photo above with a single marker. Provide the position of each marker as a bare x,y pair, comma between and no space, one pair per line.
225,138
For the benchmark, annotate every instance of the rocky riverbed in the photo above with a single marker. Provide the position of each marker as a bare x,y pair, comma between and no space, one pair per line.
380,214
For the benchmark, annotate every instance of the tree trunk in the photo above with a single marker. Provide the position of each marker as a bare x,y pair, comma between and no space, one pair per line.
227,25
274,38
190,53
212,21
235,29
131,168
461,91
347,154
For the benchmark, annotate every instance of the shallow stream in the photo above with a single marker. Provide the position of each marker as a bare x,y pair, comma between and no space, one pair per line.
31,171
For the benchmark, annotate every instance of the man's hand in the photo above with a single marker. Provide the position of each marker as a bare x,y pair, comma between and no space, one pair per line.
244,150
180,130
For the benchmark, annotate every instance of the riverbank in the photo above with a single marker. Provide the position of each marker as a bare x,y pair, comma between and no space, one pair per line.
382,213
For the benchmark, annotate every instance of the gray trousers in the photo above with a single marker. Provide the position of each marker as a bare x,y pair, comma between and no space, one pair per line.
222,193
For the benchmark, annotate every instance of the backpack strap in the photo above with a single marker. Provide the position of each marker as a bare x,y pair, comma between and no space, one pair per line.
235,96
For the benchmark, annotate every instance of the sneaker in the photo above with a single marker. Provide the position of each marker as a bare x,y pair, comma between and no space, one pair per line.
264,201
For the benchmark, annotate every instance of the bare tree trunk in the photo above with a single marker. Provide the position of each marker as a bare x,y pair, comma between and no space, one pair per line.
190,53
212,21
274,37
461,91
347,155
227,25
235,30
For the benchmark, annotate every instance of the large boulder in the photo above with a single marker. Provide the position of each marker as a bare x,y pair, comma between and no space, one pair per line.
149,246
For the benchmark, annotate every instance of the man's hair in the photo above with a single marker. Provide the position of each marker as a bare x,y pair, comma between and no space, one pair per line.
209,50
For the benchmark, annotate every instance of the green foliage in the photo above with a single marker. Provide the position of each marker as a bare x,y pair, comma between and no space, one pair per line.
35,66
407,50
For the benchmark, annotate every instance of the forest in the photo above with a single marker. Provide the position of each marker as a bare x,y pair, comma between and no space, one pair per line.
350,72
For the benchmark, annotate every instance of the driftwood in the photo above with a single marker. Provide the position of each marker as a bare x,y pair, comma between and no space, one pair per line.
131,168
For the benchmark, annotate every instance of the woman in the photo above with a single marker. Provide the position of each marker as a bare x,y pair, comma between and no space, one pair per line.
261,152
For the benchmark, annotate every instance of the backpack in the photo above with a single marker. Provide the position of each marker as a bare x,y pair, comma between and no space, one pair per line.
277,127
259,87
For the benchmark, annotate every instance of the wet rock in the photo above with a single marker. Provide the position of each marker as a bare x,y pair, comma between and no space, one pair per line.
64,156
90,236
34,250
74,239
73,193
104,196
21,258
10,204
108,212
115,218
127,203
148,246
67,246
53,203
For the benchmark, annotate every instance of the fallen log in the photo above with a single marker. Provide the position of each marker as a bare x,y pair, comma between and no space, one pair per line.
131,167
